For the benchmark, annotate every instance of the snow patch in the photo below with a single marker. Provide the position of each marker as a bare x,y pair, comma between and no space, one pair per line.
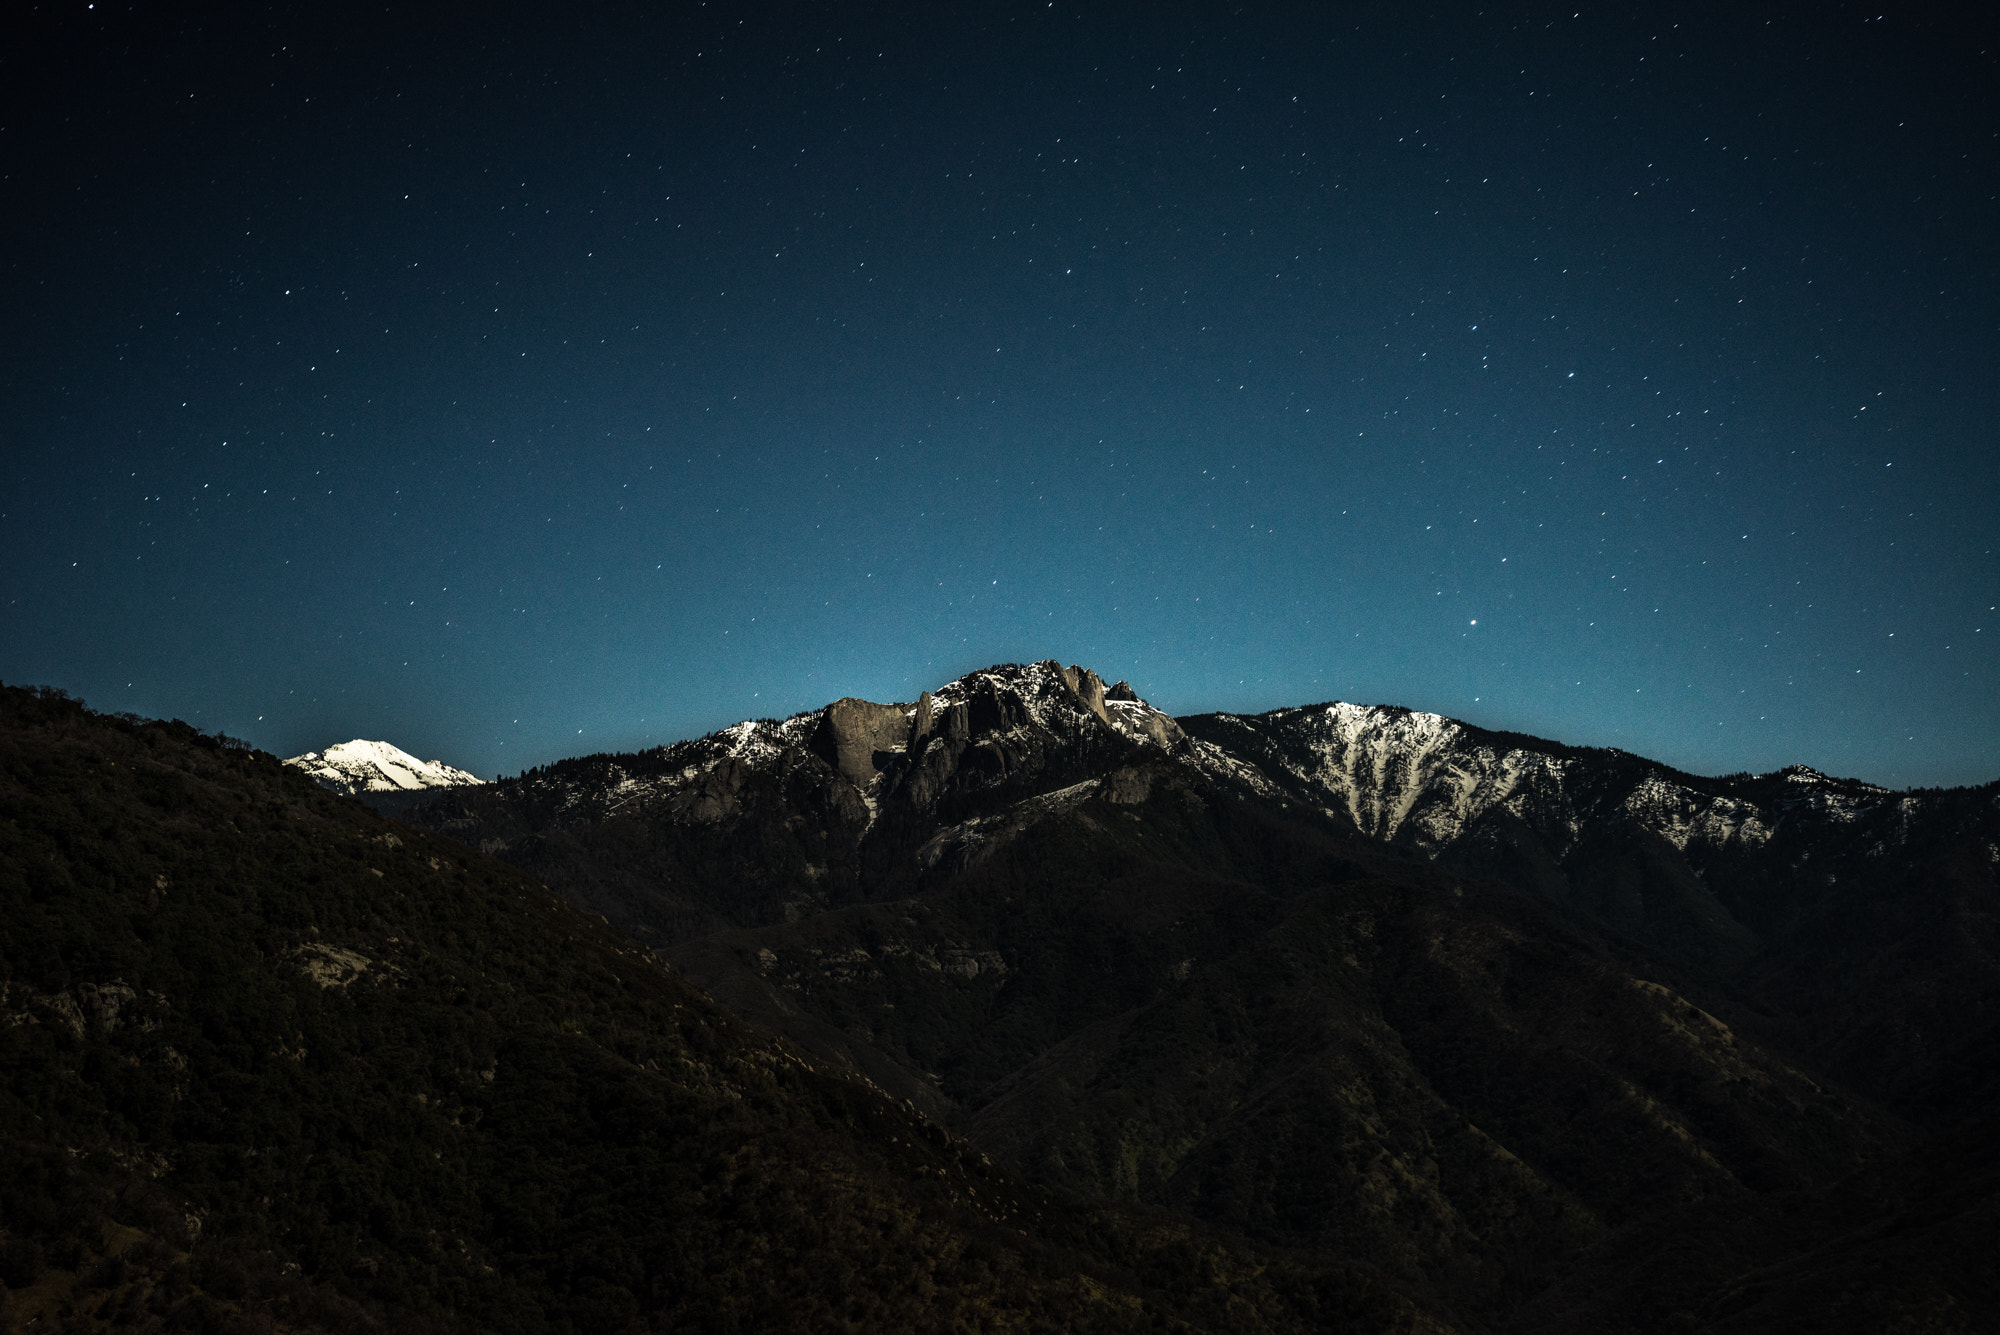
1685,817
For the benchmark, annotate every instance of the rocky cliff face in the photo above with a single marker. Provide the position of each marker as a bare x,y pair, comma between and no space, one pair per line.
770,820
858,738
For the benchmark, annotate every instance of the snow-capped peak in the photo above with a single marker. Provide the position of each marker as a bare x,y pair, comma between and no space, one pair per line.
359,767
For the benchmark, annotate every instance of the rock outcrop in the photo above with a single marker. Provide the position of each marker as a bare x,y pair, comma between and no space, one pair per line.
1089,688
857,737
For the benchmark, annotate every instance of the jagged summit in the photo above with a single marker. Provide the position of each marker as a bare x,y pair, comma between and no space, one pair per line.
862,799
1011,696
863,740
361,768
918,785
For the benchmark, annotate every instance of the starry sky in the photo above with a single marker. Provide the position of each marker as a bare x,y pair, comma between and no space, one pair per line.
508,382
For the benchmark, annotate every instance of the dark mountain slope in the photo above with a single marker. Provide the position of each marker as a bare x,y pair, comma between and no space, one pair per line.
270,1058
1910,1244
1188,1001
1882,953
1856,928
729,838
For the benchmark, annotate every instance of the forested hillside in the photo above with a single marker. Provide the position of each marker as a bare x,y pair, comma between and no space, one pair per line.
270,1060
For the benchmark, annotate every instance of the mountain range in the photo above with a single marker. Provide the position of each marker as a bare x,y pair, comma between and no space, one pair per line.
1469,1006
1333,1017
270,1060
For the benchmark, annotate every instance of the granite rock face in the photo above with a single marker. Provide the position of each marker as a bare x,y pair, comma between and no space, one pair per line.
935,718
770,820
1089,688
857,737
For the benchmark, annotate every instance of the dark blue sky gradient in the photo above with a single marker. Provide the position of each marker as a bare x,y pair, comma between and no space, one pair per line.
510,384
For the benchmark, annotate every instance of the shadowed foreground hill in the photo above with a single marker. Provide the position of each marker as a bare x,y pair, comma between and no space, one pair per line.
268,1059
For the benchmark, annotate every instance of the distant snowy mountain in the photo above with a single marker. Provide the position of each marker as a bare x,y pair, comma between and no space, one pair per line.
380,774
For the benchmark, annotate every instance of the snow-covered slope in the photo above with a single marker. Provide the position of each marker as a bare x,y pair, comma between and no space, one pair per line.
361,768
1695,865
1427,781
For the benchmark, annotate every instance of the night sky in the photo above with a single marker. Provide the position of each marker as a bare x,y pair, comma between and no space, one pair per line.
511,383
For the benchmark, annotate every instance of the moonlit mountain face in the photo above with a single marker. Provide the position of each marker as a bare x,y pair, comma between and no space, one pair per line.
1031,740
1753,882
1457,1002
368,769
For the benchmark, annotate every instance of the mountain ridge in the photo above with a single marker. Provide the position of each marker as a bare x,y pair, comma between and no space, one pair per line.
1094,948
